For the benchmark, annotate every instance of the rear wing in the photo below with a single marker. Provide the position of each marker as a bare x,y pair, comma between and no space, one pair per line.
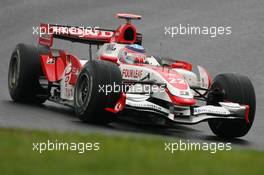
86,35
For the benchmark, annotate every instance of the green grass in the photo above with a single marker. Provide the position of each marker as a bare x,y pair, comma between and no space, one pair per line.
122,155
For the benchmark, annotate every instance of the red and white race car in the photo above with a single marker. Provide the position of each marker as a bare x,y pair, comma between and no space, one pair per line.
124,79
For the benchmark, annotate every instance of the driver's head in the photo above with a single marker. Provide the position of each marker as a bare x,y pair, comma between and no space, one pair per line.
133,53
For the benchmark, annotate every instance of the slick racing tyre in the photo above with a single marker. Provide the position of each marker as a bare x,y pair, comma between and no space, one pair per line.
24,72
90,97
234,88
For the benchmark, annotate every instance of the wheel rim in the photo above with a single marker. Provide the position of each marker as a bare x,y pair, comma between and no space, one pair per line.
13,72
83,90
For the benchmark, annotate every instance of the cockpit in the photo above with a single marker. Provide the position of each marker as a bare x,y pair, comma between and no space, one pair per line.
132,54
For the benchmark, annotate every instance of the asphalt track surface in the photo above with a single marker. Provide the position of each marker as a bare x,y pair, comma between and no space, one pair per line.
240,52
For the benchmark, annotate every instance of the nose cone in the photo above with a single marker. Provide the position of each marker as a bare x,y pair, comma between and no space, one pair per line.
180,101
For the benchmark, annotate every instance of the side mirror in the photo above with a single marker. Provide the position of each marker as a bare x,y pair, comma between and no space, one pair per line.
182,65
109,58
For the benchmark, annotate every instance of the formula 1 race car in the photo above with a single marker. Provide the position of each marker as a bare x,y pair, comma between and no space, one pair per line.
122,79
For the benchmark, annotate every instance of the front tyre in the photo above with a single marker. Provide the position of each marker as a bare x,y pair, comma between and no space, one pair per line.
90,96
234,88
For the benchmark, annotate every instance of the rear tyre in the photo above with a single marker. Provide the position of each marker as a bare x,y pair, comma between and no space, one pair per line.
235,88
24,72
90,98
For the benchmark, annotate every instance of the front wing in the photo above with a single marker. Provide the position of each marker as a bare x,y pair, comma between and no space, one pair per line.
189,115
